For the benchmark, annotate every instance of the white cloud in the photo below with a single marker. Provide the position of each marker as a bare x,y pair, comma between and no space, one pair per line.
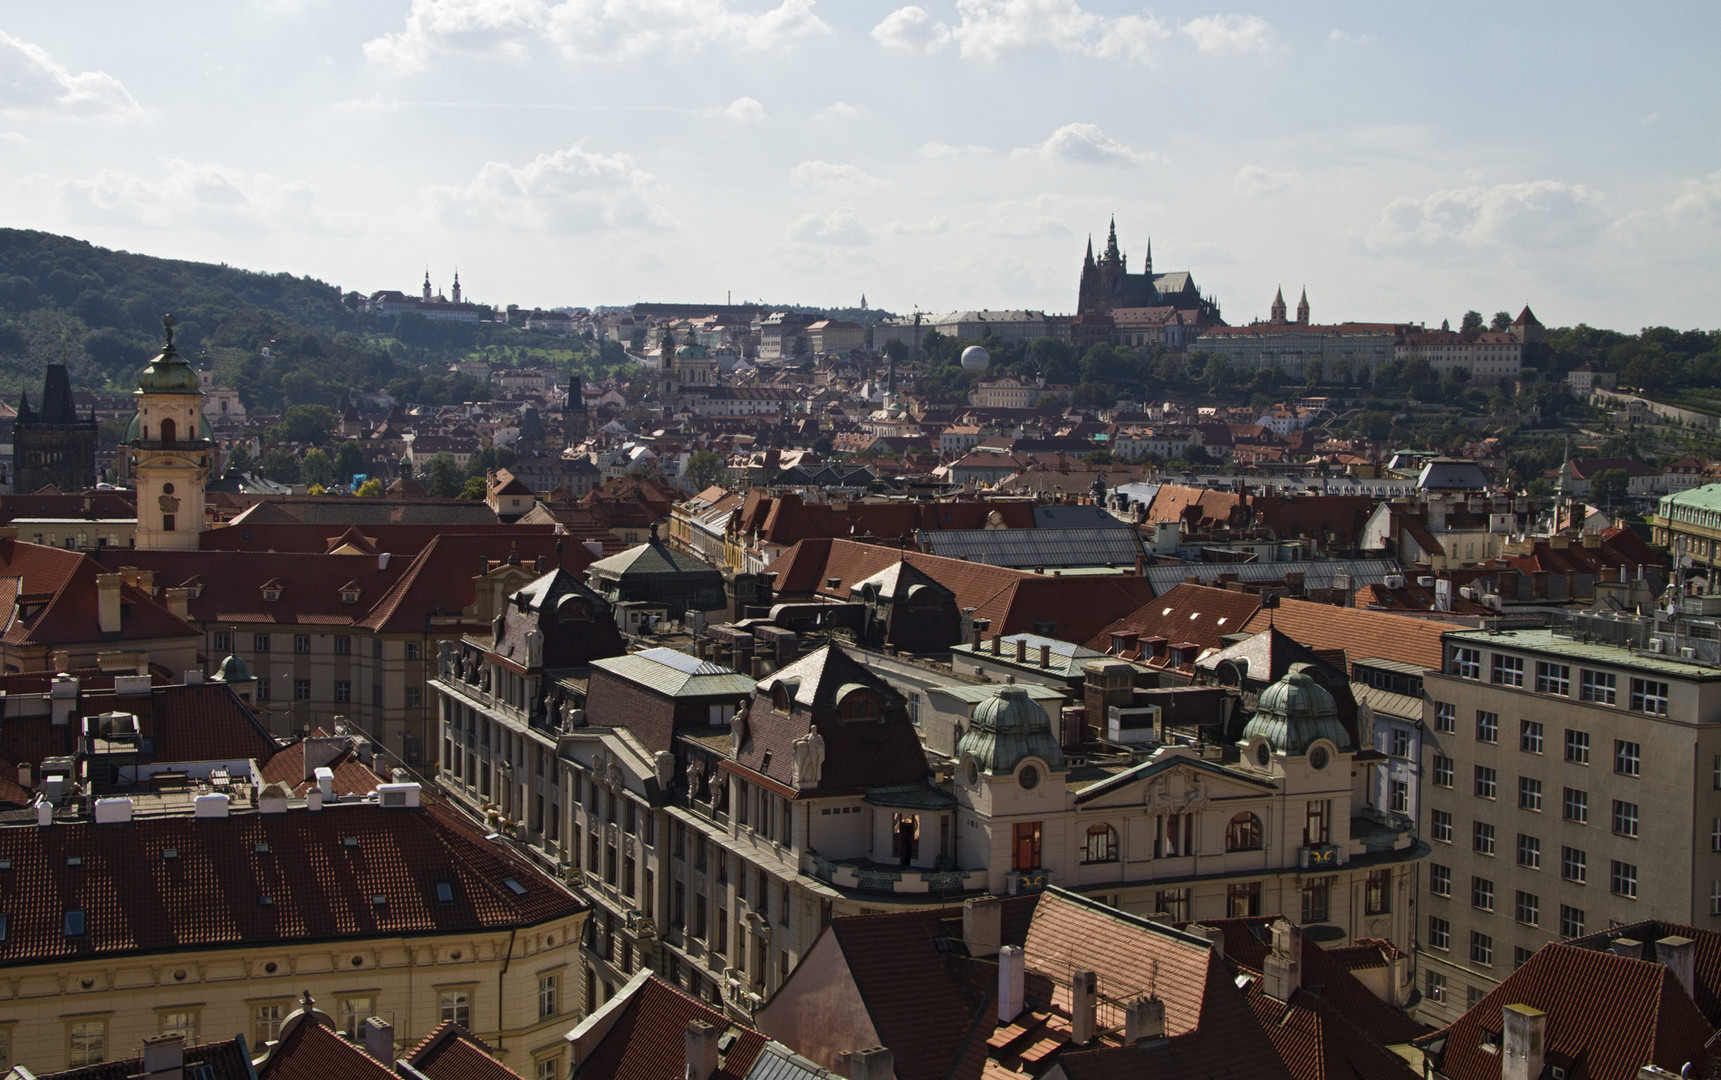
824,175
586,29
1528,215
33,85
569,191
836,109
993,29
1345,37
841,226
932,151
937,225
911,28
1257,181
1229,33
188,195
745,109
1083,144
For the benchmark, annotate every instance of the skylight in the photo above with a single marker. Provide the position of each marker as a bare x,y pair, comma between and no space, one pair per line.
519,889
75,922
444,893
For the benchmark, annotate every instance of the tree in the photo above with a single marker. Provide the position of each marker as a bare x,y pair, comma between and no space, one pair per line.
316,468
349,460
704,469
1502,321
307,425
239,461
1217,373
442,477
370,489
1610,487
281,466
1101,456
1471,325
474,488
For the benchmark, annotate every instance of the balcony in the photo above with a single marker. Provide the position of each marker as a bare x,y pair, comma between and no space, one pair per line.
864,875
1380,832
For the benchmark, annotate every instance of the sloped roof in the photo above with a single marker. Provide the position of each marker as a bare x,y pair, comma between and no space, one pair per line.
654,558
1359,633
310,1051
648,1040
1193,613
136,899
226,1060
450,1052
63,584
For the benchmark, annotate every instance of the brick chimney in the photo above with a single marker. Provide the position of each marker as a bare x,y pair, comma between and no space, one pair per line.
701,1050
108,602
982,925
1012,978
164,1057
1144,1020
1084,1006
1521,1043
1021,650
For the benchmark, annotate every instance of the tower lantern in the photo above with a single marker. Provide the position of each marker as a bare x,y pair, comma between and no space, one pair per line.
170,447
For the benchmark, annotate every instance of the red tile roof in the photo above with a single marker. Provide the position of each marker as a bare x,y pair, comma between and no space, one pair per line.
452,1053
226,1060
310,1051
57,603
648,1040
1199,614
1360,634
136,899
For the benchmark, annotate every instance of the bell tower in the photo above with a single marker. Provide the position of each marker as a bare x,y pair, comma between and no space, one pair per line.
170,452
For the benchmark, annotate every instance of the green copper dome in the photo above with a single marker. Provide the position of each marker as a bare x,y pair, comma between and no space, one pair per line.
1007,727
232,670
1294,712
169,372
691,352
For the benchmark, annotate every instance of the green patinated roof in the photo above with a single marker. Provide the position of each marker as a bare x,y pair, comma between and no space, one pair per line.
1295,711
232,670
1707,497
169,373
1006,728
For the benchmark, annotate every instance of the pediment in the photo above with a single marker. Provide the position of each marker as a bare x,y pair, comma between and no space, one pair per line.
1172,785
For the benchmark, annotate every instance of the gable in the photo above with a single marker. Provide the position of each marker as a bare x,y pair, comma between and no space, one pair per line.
1172,785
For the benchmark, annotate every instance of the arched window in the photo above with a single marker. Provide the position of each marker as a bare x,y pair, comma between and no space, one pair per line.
1101,844
1244,833
859,705
169,432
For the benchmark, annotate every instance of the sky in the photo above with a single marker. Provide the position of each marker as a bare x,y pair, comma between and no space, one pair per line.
1401,162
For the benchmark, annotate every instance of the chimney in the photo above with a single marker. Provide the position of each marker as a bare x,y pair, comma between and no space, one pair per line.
209,806
1084,1006
1626,947
164,1057
1212,934
115,811
1679,954
1144,1020
997,644
977,630
701,1049
1045,656
982,925
873,1063
179,602
1521,1042
1021,650
379,1039
108,602
1012,974
26,775
1282,970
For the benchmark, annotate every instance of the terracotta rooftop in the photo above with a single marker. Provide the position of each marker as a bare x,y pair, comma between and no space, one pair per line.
452,1053
1361,634
648,1039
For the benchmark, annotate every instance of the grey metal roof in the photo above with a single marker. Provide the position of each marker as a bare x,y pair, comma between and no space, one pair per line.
1388,703
1076,516
652,558
677,674
1317,573
974,695
1028,549
778,1062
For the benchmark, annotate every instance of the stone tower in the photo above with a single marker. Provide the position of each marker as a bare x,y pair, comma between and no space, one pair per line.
170,448
54,445
1277,314
1303,309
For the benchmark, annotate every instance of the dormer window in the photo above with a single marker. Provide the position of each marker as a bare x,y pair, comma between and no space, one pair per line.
858,704
781,699
350,592
272,590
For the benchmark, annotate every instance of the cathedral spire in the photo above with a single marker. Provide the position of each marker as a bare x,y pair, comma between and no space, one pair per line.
1277,317
1303,308
1148,269
1089,261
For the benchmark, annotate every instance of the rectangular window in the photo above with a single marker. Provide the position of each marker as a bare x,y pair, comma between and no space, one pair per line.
343,691
354,1011
1487,726
343,646
1377,896
1317,822
1025,853
1398,796
259,642
1627,758
414,697
1649,696
1574,865
266,1022
457,1006
86,1042
1715,835
376,648
1508,670
1576,806
1530,736
1443,771
222,642
301,689
1601,687
1445,717
1482,893
1317,900
549,991
1439,933
1486,782
1715,898
1527,908
1625,819
1439,879
1440,826
301,643
1529,793
1553,679
1520,956
1529,852
1174,902
413,650
262,688
1577,747
1622,879
1466,663
1243,899
1481,948
1400,743
1482,838
1571,921
1436,987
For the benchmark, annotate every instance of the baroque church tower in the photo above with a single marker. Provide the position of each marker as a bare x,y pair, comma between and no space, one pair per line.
170,446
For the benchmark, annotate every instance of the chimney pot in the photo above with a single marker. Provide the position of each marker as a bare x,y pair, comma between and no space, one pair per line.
1012,973
873,1063
1021,650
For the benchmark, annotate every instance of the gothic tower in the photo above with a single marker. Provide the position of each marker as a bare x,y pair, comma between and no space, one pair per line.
1277,315
170,447
1303,309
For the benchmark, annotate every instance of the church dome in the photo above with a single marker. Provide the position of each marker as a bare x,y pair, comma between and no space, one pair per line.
976,359
1006,728
690,352
232,670
169,373
1295,711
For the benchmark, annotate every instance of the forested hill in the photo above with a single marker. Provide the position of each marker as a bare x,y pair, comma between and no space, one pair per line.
99,312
